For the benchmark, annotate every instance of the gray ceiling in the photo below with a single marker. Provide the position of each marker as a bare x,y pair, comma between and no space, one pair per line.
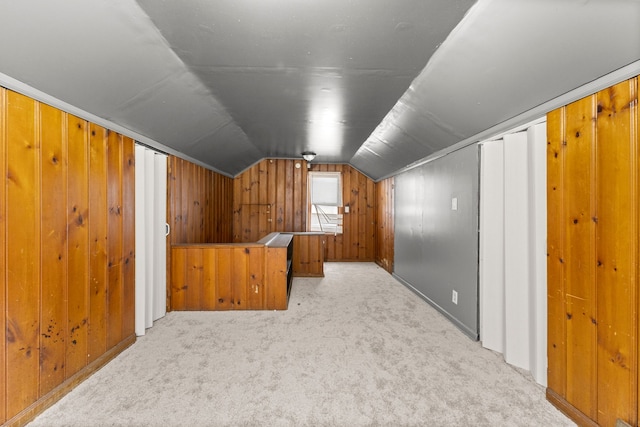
378,84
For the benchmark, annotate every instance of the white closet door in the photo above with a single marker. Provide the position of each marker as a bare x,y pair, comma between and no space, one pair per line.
513,227
148,219
151,260
492,245
537,141
160,221
516,250
141,245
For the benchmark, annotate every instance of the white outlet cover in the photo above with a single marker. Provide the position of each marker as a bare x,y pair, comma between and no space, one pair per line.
454,204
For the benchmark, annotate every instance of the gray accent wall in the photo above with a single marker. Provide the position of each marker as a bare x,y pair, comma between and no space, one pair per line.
436,242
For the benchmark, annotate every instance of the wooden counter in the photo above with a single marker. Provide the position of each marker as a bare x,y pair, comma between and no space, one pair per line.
232,276
308,254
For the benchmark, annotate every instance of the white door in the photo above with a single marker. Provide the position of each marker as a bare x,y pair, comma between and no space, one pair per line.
513,248
151,257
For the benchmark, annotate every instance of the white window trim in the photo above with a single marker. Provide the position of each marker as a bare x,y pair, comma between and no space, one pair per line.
332,223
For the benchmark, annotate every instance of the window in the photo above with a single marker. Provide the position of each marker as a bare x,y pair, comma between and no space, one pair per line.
325,199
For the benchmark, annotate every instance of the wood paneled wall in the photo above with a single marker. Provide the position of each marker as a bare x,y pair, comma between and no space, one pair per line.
357,243
66,252
199,208
272,196
593,214
199,204
385,225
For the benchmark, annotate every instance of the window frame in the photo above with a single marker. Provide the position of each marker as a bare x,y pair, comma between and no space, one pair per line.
337,215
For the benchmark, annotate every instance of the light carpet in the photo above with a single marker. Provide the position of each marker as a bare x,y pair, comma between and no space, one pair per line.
355,348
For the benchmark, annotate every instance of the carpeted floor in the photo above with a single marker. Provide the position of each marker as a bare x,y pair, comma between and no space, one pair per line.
355,348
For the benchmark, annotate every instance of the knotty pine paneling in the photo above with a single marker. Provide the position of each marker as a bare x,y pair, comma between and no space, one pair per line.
270,196
23,224
580,280
115,290
62,302
556,335
3,257
616,246
54,256
98,229
199,204
357,242
385,224
128,221
220,282
636,335
77,244
593,214
199,210
229,277
281,189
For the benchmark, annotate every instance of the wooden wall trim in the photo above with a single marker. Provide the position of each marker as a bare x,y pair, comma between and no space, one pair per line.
569,410
385,227
46,401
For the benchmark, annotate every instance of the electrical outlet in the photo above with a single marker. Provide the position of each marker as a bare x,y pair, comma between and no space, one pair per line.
454,297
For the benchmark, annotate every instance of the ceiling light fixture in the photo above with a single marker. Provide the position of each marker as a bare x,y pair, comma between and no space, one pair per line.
308,155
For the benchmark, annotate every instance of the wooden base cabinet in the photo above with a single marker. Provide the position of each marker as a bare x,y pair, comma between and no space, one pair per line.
308,257
232,276
593,195
279,270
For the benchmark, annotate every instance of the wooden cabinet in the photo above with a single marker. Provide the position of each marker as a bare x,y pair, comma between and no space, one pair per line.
279,269
308,257
232,276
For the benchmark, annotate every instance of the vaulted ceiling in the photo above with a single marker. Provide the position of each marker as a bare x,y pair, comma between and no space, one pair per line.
379,84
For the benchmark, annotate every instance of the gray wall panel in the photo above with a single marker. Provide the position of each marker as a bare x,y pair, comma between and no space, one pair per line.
436,247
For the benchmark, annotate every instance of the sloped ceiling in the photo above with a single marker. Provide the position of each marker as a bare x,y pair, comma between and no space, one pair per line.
378,84
505,58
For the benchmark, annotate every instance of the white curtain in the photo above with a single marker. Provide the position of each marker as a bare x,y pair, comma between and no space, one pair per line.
513,280
151,259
